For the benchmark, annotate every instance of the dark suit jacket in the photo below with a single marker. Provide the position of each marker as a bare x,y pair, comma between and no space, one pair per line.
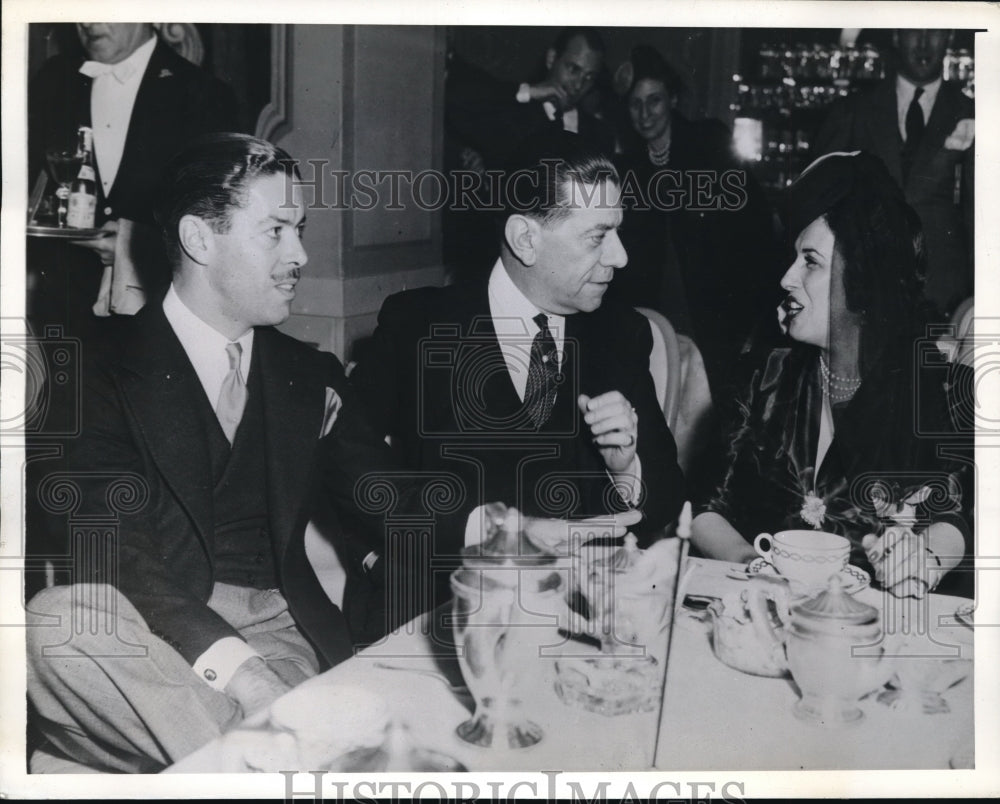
141,417
869,122
484,113
176,102
435,380
712,272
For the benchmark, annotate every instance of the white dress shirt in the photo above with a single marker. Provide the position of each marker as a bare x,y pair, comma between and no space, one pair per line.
513,319
904,96
206,349
112,97
205,346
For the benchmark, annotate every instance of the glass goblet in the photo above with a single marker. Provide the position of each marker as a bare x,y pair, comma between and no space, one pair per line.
64,165
486,622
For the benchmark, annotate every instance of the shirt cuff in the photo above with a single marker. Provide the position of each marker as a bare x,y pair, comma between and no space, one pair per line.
217,664
524,93
629,482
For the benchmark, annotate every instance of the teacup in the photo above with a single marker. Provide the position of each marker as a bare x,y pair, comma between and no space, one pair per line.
808,557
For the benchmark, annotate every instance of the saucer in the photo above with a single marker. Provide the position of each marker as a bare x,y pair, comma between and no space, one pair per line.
853,579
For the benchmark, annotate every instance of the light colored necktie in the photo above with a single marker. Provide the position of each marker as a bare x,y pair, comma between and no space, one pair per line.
121,71
233,394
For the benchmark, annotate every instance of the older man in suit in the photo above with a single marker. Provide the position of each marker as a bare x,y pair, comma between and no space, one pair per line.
144,102
525,385
921,127
210,439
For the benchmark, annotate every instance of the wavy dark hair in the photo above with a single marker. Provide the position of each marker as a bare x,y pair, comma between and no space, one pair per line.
648,63
210,178
880,240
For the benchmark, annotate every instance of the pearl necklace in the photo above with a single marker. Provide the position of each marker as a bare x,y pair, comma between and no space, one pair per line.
837,388
659,158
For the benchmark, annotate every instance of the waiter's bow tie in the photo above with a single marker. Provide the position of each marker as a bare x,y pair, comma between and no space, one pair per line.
121,71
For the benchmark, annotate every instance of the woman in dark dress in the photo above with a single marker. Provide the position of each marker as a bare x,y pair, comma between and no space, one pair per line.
858,428
698,229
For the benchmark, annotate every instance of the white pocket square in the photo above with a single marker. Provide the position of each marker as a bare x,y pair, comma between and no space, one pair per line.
332,408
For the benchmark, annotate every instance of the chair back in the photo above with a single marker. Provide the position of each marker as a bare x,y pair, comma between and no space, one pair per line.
664,363
957,343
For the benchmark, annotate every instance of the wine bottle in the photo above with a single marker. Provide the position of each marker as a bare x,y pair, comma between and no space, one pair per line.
83,191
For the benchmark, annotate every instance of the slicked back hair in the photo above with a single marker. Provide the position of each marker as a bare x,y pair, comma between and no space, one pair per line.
211,178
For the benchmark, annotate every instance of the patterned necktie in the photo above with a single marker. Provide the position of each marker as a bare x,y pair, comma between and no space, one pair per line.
233,394
914,132
540,390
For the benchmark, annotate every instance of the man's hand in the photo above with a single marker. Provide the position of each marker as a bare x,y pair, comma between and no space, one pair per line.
255,686
556,536
615,426
105,246
549,91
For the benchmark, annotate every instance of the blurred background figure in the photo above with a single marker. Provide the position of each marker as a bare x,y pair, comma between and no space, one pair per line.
922,127
143,102
487,120
699,232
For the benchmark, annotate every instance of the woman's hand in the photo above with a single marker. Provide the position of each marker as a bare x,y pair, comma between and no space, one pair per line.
909,564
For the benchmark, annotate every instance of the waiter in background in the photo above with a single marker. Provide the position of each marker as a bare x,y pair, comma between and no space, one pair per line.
144,102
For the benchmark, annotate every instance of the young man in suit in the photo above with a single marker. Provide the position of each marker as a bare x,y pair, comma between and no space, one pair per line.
525,386
913,121
209,440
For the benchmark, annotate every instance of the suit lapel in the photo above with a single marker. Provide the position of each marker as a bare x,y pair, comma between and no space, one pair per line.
293,398
162,389
499,395
139,139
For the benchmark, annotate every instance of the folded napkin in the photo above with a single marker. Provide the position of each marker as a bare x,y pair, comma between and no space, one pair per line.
121,290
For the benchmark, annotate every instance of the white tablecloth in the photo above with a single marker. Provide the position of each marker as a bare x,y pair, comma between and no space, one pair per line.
714,717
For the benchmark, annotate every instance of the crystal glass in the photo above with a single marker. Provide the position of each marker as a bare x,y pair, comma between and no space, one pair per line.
488,625
64,165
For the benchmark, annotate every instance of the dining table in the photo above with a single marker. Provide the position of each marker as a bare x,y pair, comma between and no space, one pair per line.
710,716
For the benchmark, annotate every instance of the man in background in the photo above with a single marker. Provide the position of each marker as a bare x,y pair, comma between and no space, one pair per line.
922,127
144,102
487,121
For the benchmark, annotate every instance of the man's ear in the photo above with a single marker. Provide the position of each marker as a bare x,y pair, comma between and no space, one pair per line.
521,234
196,238
550,58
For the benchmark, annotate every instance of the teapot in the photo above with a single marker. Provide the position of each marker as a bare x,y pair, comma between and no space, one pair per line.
756,632
832,676
749,627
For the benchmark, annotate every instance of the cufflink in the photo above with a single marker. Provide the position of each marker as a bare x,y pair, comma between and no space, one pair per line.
210,674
